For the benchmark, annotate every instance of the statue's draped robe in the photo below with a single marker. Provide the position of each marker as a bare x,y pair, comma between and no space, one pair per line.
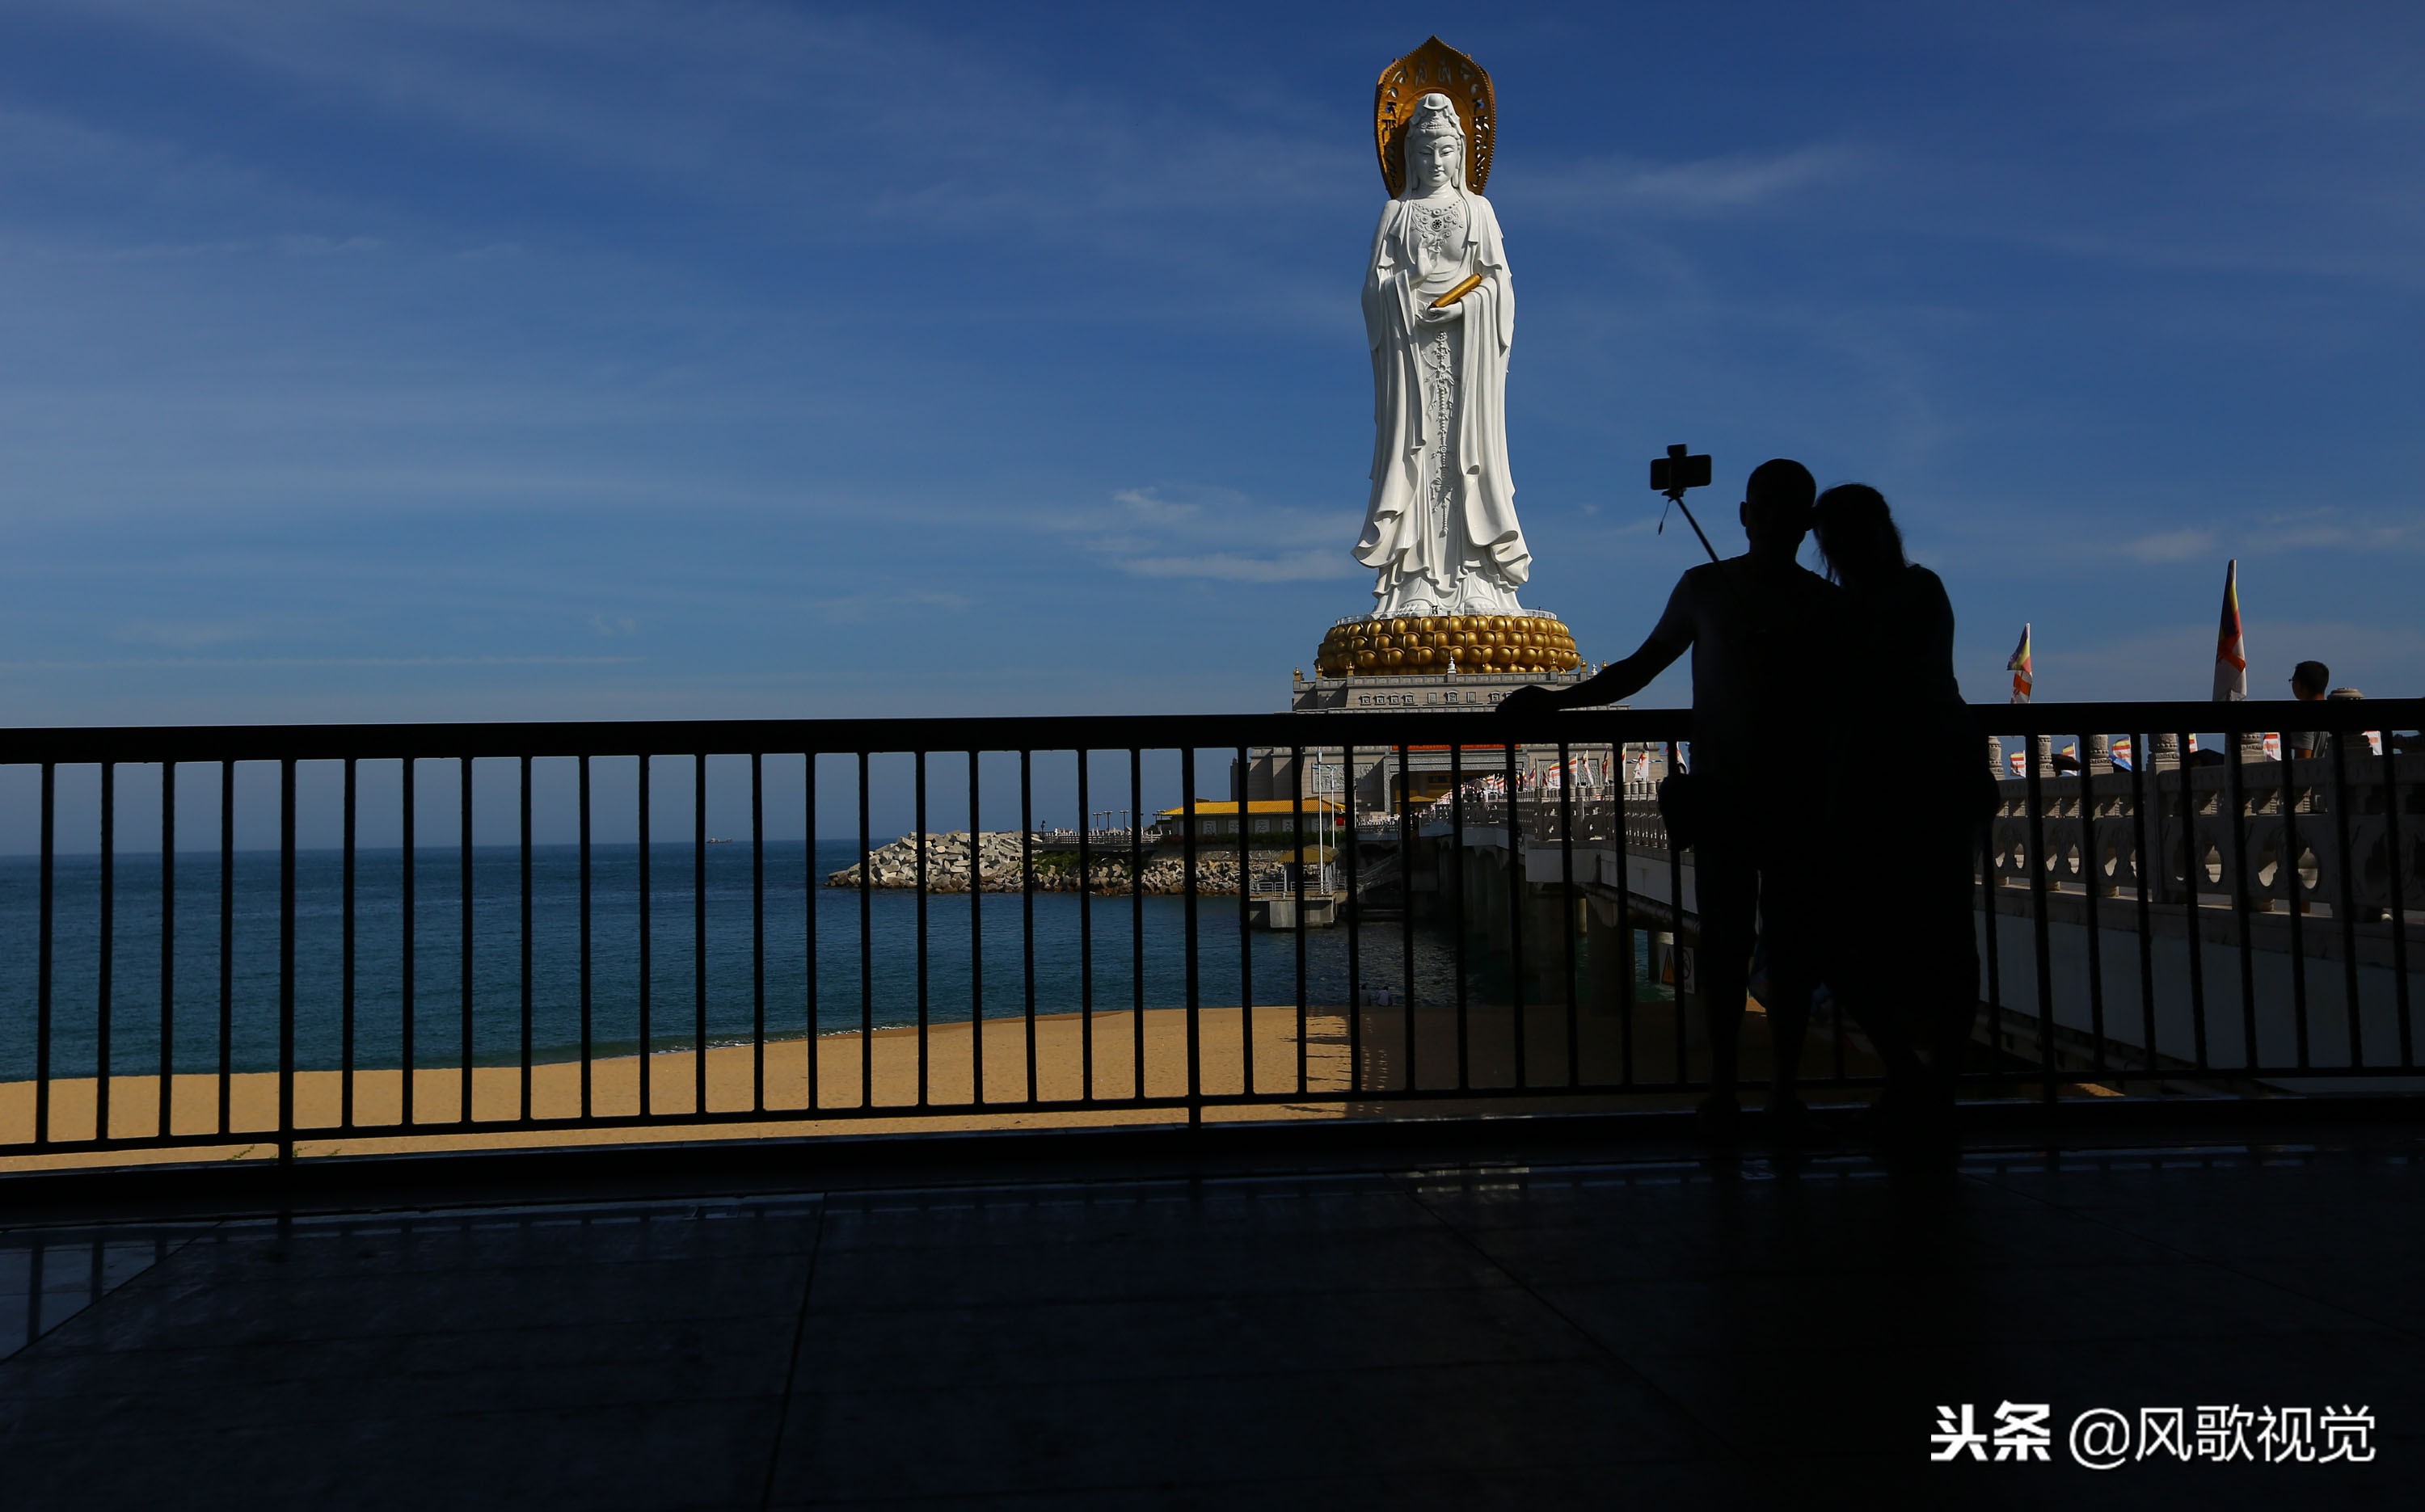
1457,547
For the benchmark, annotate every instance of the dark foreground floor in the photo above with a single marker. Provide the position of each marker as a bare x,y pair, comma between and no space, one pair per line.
1638,1333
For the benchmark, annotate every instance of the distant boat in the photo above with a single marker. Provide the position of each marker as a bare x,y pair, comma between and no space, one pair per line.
713,839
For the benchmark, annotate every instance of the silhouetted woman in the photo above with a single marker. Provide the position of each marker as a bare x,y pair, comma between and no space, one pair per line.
1905,810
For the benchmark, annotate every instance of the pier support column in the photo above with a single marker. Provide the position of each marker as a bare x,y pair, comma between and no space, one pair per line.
1497,883
1608,960
1549,925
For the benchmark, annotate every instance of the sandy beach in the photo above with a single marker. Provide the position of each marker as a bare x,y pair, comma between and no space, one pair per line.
848,1065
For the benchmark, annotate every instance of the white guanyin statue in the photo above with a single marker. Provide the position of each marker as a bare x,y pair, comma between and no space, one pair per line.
1440,527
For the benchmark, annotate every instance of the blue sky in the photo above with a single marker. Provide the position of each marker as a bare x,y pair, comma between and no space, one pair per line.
514,360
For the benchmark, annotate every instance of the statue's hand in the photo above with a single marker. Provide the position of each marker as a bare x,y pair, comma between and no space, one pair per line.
1439,317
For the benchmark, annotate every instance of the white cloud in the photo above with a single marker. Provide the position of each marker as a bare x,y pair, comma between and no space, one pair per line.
1294,566
1151,533
2172,546
2335,530
185,634
1728,185
1147,504
872,607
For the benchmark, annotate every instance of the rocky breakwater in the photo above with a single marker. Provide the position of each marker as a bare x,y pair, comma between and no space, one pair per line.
997,868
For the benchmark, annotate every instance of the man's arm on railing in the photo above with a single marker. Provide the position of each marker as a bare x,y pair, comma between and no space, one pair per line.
1669,639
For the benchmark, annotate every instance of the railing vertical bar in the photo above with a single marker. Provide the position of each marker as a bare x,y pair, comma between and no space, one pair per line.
346,961
2285,870
587,997
1991,916
1136,910
648,973
1621,825
285,961
1676,926
527,999
975,938
1841,1020
2146,870
2236,790
2033,786
227,945
812,988
1296,872
918,871
1515,884
1405,818
1352,853
168,940
2193,878
43,963
2089,871
867,937
1027,904
405,954
2345,895
1464,888
757,932
107,961
1085,939
699,932
1569,896
2395,857
1245,929
464,766
1187,891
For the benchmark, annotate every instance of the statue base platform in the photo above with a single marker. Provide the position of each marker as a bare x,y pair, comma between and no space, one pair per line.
1419,689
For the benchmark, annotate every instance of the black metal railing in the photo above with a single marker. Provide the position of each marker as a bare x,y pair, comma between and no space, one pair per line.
1513,942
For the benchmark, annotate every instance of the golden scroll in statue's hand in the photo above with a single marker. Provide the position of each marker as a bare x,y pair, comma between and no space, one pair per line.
1458,293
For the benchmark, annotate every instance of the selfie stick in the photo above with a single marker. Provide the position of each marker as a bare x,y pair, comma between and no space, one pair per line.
1675,491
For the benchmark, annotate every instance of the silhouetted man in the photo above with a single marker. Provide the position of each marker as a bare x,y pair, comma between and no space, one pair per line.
1761,630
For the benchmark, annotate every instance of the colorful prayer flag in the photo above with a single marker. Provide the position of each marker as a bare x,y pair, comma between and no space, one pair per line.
2023,681
2230,648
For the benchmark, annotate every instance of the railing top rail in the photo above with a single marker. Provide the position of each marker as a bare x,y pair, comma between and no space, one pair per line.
1093,732
2252,718
1376,728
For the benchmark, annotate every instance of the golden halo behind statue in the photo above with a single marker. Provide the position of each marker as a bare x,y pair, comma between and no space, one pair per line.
1435,68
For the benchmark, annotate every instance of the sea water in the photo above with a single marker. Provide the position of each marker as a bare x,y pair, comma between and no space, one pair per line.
974,946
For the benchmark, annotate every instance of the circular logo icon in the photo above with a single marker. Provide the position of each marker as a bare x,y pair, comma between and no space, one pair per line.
2100,1439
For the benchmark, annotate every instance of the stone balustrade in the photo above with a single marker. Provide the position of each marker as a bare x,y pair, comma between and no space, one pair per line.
2338,834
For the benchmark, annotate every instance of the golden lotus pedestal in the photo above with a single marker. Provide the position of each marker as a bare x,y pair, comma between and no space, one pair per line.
1442,661
1518,645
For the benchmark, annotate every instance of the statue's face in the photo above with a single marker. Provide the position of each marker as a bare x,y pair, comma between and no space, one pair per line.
1437,159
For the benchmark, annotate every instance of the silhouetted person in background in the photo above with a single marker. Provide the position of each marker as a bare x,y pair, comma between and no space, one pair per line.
1905,803
1761,630
2309,683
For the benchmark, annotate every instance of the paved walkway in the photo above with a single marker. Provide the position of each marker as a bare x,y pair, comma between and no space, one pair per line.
1651,1333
